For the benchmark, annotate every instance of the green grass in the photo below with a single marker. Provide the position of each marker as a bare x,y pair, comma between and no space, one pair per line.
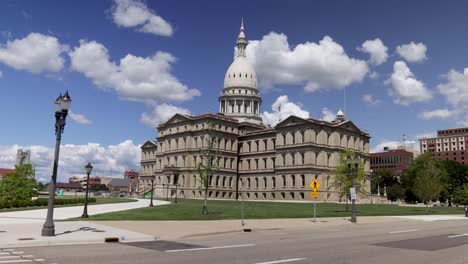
188,209
99,200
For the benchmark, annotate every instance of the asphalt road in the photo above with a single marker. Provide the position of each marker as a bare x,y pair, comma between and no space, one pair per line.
441,242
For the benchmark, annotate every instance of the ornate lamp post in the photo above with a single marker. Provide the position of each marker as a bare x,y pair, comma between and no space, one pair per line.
88,168
62,104
353,172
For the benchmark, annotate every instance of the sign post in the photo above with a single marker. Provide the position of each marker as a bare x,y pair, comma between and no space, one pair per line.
314,185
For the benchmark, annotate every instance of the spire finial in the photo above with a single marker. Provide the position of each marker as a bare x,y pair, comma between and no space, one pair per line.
241,41
242,24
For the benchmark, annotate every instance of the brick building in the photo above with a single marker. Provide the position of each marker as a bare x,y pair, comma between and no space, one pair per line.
395,160
450,144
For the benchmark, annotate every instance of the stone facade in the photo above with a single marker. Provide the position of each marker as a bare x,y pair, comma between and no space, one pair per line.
264,163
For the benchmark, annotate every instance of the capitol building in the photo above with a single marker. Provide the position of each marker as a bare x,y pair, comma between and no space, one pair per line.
272,163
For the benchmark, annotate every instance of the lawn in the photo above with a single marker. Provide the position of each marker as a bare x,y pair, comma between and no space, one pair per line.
99,200
189,209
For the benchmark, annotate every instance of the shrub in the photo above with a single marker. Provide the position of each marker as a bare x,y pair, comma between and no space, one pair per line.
14,203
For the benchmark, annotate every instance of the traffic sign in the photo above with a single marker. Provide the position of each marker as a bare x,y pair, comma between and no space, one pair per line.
352,190
315,195
314,185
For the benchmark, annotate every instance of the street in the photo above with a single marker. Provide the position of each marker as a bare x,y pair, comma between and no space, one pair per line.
405,241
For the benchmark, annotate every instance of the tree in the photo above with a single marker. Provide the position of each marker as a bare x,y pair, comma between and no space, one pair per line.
98,187
457,176
460,195
209,162
428,183
410,174
342,182
19,184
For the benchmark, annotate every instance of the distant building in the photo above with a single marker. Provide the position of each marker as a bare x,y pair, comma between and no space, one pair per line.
3,172
23,157
131,174
82,180
395,160
123,185
68,187
450,144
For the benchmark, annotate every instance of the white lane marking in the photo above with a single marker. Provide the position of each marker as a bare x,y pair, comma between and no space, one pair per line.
39,259
458,235
17,252
207,248
9,257
281,261
16,261
8,249
403,231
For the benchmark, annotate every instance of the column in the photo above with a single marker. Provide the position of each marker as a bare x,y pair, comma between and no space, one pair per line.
251,106
243,106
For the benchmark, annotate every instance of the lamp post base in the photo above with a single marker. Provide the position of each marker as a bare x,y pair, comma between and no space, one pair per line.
353,220
48,231
84,216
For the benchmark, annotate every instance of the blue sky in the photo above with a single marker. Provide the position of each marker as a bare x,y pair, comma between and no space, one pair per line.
119,59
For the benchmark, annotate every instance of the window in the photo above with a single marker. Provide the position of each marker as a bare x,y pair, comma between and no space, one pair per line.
293,159
283,178
273,183
264,182
256,182
293,180
248,183
302,180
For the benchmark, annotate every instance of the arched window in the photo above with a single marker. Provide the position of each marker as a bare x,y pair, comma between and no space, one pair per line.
293,159
302,137
194,180
224,181
283,179
248,183
256,182
264,182
217,180
302,180
303,158
274,182
293,180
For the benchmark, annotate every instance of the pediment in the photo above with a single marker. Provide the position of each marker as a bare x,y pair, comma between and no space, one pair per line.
176,119
291,121
349,125
149,144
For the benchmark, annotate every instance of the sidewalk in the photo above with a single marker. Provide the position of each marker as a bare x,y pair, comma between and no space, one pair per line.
182,229
23,228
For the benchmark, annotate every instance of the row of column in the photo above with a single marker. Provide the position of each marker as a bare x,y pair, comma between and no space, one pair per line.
232,107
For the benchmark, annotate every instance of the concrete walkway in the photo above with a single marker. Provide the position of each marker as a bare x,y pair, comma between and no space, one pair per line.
23,228
62,213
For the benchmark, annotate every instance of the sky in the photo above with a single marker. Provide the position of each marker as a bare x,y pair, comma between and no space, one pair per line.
130,65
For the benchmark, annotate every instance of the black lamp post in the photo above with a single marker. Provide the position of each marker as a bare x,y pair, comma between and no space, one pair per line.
62,104
88,168
152,190
353,172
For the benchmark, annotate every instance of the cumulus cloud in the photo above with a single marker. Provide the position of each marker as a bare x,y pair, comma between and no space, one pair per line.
282,109
455,89
134,78
162,113
135,13
35,53
316,66
73,158
370,100
328,115
406,89
376,49
79,118
412,52
438,113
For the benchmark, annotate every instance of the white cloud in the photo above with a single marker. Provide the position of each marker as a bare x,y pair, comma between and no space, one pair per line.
412,144
374,75
282,109
438,113
162,113
132,13
35,53
79,118
316,66
426,135
376,49
455,89
412,52
370,100
328,115
406,89
134,78
73,158
1,74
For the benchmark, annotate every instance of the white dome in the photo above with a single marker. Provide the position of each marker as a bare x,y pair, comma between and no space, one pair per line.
340,113
240,74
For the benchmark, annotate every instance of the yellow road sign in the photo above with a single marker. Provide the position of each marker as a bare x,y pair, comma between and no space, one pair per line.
315,184
315,195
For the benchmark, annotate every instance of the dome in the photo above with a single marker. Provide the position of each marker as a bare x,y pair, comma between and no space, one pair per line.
340,114
240,74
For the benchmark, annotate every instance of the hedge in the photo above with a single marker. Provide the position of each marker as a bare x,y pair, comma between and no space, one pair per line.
42,202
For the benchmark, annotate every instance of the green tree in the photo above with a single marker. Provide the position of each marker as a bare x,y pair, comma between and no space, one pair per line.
209,162
98,187
428,183
410,174
457,176
342,181
460,195
19,185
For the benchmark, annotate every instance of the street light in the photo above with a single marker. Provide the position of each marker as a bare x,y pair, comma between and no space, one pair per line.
62,104
353,172
88,168
152,189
